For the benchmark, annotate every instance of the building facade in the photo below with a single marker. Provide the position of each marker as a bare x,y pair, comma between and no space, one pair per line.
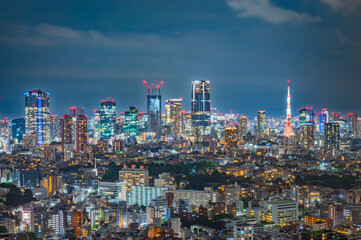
37,115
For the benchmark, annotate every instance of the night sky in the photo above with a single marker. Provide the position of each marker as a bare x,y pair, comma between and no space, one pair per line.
82,52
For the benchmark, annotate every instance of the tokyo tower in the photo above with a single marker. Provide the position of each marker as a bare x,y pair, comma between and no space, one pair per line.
288,128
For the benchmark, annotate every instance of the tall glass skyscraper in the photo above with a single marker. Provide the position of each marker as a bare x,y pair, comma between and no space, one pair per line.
55,126
154,108
37,115
175,116
131,123
96,125
108,118
201,108
262,123
66,131
332,136
18,129
242,125
81,132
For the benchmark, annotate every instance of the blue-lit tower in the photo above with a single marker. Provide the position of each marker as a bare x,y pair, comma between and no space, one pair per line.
108,117
154,108
37,115
131,123
201,108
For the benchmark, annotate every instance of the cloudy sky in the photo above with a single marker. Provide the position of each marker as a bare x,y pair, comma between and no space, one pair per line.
85,51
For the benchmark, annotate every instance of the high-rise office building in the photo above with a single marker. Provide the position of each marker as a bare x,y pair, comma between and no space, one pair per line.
175,115
108,117
154,109
37,115
55,126
96,125
81,132
308,135
325,111
74,112
322,119
262,123
66,131
332,136
288,128
242,125
167,113
18,129
201,108
231,136
131,123
306,115
353,123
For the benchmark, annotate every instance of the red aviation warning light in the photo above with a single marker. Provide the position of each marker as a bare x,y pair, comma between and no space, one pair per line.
154,87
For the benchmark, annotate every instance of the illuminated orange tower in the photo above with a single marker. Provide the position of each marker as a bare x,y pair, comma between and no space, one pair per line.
288,128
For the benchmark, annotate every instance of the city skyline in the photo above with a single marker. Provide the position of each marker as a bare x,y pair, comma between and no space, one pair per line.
180,119
90,111
252,50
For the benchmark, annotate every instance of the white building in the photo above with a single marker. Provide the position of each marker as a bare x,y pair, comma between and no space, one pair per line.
143,195
56,223
282,212
195,198
96,216
157,211
115,190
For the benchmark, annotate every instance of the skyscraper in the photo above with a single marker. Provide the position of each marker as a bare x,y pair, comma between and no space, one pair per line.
66,131
18,129
332,136
261,123
175,113
325,112
55,126
37,115
131,123
322,119
167,113
108,117
74,112
96,125
231,135
288,128
242,125
308,135
353,122
154,108
81,132
201,108
306,115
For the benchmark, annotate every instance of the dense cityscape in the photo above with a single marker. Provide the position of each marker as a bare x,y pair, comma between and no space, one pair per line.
180,120
168,173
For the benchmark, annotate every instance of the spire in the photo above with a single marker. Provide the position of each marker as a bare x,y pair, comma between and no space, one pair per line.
288,128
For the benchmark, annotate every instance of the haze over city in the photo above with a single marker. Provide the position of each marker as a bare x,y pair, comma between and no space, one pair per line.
82,52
